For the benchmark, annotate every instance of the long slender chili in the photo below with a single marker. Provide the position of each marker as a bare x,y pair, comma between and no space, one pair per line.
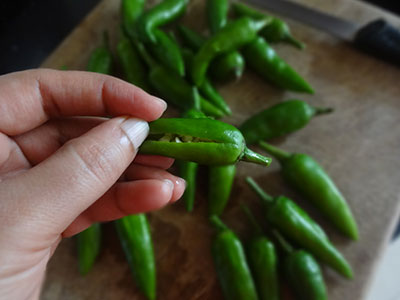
135,236
220,182
275,32
263,260
296,225
279,119
302,272
263,60
225,67
231,265
167,52
89,240
133,68
164,12
232,37
310,179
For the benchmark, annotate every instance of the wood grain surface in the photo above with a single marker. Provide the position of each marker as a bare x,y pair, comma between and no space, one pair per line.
358,145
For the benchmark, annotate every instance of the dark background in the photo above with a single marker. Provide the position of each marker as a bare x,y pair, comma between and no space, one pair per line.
31,29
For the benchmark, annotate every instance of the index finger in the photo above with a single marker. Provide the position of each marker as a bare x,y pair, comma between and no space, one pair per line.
30,98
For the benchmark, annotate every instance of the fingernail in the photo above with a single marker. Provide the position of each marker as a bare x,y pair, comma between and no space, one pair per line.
136,130
162,102
180,184
169,185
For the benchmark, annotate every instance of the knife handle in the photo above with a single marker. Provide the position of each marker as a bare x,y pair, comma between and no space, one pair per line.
380,39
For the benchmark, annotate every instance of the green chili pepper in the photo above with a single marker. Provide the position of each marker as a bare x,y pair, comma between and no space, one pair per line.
263,261
263,60
161,14
134,70
232,37
295,224
130,12
310,179
217,14
176,90
225,67
207,89
89,242
188,169
100,60
167,52
205,141
220,181
278,120
231,265
302,272
276,31
135,236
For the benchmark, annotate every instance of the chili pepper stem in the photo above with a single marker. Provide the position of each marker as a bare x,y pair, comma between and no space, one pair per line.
267,199
256,227
276,152
323,110
251,156
294,42
282,242
217,223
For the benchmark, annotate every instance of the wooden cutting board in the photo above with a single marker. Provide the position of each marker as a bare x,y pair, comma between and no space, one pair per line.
358,145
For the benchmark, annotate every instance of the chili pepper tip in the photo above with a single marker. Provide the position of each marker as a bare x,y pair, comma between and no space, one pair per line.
251,156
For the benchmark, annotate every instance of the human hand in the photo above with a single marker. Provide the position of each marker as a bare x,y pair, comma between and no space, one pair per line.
60,173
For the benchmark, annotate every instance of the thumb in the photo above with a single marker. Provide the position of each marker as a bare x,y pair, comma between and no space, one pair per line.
60,188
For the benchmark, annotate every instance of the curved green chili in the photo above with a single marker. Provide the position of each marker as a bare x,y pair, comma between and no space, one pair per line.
167,52
263,261
225,67
135,236
130,12
160,14
89,242
231,265
278,120
274,32
205,141
302,272
311,180
220,181
263,60
232,37
296,225
132,67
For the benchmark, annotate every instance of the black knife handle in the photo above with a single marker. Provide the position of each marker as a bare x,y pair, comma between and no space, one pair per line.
380,39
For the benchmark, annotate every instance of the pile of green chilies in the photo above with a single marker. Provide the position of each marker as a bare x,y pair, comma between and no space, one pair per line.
183,72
